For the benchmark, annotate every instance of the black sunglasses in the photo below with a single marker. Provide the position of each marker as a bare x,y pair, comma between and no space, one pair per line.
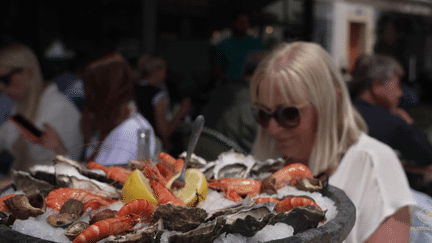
288,117
5,79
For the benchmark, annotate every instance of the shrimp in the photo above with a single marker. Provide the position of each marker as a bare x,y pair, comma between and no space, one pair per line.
235,188
139,207
172,164
105,228
117,173
292,202
289,175
59,196
160,191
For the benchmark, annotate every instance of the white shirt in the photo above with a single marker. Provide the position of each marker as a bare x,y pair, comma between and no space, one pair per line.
57,111
372,176
121,144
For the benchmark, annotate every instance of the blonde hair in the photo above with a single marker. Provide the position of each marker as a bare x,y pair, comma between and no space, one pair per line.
21,56
304,72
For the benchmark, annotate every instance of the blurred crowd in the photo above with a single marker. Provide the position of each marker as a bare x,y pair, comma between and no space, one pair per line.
287,101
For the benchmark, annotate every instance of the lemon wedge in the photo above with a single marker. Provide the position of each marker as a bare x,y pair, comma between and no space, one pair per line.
137,186
195,189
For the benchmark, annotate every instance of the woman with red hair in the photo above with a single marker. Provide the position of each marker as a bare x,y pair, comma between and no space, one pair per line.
110,121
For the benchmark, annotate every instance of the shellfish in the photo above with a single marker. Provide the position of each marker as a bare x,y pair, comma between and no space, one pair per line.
71,210
75,229
23,206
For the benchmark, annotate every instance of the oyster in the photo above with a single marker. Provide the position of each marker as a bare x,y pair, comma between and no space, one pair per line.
317,184
300,218
71,210
179,218
247,203
228,165
263,169
208,170
145,234
61,159
44,172
65,174
23,206
23,181
248,222
195,161
233,165
99,215
98,175
205,233
75,229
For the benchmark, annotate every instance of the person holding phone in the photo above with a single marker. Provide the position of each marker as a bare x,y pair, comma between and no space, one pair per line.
38,105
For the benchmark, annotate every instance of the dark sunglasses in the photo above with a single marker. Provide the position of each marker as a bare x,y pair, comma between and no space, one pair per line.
288,117
5,79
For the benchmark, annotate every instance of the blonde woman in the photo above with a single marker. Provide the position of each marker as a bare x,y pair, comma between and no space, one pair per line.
43,105
305,115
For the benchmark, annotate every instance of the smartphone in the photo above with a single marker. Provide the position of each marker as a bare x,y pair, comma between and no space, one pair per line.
26,125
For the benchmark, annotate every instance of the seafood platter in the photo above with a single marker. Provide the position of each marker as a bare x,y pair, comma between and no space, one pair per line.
231,199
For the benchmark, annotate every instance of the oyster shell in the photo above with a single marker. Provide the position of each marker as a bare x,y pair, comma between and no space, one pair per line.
23,206
44,172
145,234
263,169
233,165
317,184
101,215
195,161
71,210
7,219
247,203
98,175
3,218
65,174
179,218
75,229
208,170
26,183
205,233
61,159
300,218
248,222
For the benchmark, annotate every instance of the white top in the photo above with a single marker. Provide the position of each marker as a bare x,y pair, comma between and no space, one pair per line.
372,176
121,144
57,111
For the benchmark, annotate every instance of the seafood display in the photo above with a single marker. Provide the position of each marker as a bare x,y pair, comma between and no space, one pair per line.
89,209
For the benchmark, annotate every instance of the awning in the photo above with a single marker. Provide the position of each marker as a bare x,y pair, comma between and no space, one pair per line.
415,7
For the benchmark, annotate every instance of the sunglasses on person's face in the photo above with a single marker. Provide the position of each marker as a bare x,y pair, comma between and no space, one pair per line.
288,117
6,79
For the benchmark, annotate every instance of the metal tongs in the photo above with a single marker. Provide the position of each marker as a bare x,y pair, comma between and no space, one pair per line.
193,140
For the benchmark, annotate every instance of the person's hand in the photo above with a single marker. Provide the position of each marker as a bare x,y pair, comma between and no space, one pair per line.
50,139
403,115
